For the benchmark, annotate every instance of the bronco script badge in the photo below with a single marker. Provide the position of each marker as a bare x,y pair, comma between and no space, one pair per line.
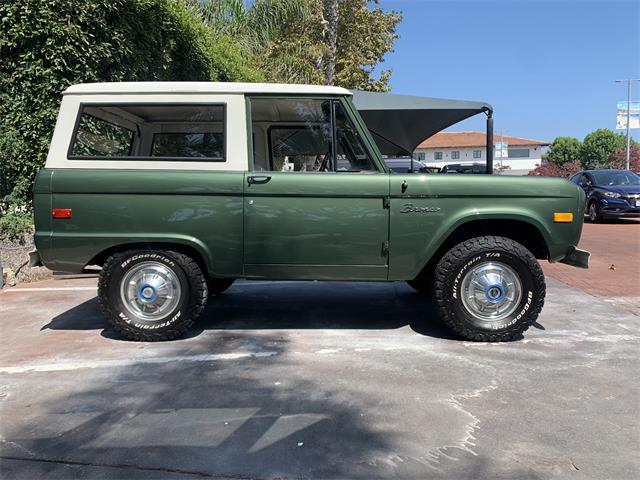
411,208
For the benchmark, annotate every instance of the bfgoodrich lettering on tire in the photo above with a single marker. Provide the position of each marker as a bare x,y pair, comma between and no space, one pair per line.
151,295
489,288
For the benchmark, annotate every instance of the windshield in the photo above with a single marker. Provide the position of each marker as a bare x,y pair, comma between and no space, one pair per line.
616,178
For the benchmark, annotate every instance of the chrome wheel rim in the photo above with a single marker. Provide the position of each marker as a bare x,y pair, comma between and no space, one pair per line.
592,212
150,290
491,291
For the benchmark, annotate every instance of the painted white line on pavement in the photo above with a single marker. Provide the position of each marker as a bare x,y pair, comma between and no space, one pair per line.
57,367
52,289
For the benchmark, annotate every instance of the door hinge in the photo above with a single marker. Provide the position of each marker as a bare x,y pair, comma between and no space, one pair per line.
386,203
385,248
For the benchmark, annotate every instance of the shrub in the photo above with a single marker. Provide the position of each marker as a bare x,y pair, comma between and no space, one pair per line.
550,169
14,226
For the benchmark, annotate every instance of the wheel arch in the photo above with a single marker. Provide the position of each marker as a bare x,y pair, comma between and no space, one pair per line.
525,232
192,250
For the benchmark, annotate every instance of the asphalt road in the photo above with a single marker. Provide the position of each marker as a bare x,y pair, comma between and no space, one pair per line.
316,380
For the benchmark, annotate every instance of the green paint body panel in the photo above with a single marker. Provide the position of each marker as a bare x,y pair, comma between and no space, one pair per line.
458,199
299,218
330,226
197,209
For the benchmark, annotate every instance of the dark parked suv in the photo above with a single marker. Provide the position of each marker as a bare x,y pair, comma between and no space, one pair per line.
610,193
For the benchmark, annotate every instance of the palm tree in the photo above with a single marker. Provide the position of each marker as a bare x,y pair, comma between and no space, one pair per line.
331,13
254,26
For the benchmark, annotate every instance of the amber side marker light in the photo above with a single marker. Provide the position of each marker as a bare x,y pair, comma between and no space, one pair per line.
61,213
562,217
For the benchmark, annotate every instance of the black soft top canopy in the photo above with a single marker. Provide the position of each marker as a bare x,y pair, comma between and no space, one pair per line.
399,123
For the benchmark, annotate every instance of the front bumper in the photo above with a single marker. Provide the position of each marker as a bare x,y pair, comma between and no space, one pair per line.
618,207
631,213
577,258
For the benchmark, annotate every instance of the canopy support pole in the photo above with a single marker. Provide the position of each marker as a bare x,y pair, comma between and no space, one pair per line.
489,142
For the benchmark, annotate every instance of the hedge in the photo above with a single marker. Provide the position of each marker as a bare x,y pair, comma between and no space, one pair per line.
47,46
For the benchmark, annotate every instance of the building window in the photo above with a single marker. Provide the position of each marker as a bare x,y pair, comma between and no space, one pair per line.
437,156
477,154
518,153
455,155
420,156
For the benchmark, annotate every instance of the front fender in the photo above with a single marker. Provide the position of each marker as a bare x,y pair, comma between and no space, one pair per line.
414,243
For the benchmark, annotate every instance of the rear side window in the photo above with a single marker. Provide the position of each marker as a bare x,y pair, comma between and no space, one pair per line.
100,138
150,132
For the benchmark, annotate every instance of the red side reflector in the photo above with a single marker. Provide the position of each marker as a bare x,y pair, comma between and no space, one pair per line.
61,213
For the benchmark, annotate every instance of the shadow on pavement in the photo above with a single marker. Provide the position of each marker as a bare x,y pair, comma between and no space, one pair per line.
295,305
218,418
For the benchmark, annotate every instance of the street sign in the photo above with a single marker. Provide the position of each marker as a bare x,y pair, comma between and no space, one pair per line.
634,115
501,150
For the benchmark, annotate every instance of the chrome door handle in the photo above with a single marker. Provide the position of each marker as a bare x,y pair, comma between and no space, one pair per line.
258,179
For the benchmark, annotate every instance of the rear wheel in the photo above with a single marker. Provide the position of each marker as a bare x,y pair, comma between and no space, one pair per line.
151,295
489,289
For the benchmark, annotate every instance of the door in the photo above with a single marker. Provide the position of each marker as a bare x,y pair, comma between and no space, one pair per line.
315,202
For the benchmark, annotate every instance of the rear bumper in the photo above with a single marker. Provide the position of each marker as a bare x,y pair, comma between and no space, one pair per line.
577,258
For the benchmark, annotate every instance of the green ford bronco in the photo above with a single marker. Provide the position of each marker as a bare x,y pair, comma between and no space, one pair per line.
178,189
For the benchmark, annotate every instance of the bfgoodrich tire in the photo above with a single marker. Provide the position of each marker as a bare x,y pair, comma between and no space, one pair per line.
489,289
151,295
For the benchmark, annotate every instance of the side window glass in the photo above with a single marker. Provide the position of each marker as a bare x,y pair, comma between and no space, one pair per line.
301,148
297,134
351,153
198,144
150,132
96,137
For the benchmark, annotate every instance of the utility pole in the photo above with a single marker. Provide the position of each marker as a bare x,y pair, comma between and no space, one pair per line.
628,81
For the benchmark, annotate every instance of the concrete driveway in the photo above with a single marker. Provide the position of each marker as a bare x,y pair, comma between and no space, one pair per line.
316,380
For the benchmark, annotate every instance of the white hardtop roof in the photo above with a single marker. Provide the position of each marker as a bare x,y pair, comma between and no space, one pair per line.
201,87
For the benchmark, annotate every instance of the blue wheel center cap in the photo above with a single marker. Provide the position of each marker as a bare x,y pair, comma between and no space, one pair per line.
494,293
147,293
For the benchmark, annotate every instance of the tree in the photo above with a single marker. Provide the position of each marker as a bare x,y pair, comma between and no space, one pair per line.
293,40
331,12
598,146
47,46
619,158
563,150
365,36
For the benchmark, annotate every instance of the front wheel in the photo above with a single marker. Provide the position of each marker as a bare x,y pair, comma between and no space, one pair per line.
151,295
489,289
595,216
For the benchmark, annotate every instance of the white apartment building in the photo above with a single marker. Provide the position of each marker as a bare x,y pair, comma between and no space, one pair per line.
518,156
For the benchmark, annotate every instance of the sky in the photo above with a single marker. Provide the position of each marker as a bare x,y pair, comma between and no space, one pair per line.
547,67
